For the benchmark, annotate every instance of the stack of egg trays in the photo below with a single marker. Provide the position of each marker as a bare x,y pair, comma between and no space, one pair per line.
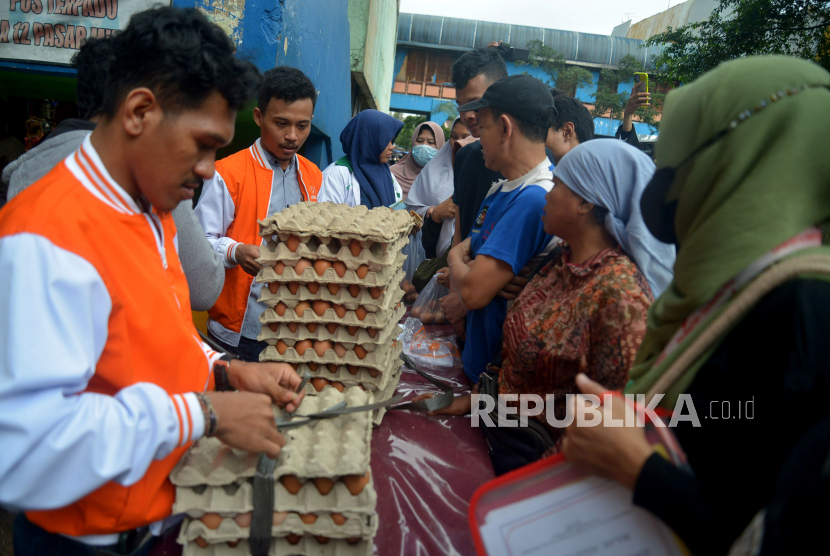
337,317
324,496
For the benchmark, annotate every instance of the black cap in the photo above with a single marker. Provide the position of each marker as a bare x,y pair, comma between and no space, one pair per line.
522,96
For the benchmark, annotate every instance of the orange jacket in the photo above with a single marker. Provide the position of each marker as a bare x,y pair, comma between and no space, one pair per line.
248,178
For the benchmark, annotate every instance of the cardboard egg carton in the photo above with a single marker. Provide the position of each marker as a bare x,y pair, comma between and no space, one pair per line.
381,358
379,319
331,220
371,253
273,332
383,277
348,376
306,546
387,297
238,498
284,523
386,392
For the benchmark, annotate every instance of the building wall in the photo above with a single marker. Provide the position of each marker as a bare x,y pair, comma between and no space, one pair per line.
373,31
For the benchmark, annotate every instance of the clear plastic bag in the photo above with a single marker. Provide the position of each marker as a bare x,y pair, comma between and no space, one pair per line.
427,307
436,348
415,255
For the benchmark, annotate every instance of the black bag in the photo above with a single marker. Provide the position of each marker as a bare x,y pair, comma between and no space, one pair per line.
426,270
514,447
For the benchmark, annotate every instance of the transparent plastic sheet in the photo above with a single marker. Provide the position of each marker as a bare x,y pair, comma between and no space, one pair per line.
433,347
415,255
428,305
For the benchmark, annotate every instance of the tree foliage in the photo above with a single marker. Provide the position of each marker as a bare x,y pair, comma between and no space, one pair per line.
562,76
404,139
738,28
612,104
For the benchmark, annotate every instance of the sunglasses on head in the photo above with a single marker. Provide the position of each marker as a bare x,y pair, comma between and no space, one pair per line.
659,215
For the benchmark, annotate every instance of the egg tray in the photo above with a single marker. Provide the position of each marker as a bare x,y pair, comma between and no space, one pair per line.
382,277
379,319
308,546
381,358
363,527
388,297
373,254
335,220
238,498
341,333
382,387
342,374
386,392
329,448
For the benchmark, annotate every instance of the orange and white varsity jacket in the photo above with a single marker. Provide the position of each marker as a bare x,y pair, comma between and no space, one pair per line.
232,201
99,358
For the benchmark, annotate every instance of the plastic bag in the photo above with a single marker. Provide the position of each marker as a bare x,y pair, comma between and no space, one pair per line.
427,308
437,348
415,255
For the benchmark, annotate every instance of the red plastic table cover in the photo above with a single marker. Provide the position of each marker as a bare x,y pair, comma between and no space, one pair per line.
425,469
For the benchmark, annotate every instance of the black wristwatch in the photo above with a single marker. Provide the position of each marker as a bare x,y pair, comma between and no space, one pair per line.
220,372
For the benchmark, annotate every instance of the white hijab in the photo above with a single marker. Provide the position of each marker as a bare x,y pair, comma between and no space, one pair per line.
433,186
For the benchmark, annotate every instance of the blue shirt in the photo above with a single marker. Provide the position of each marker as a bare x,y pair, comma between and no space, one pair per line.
509,228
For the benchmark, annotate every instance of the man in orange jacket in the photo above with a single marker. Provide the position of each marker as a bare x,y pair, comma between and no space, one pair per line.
252,185
104,383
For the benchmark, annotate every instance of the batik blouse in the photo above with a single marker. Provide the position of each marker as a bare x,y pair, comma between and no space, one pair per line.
588,318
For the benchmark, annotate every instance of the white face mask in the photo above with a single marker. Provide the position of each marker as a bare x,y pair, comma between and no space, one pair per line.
423,154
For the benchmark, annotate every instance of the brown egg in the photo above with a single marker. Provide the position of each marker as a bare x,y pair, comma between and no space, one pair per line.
375,292
273,287
360,352
352,330
353,540
319,383
301,265
339,349
243,520
374,373
201,542
320,307
291,483
340,268
281,347
212,521
292,326
292,242
339,385
321,267
274,326
354,290
301,347
355,483
312,327
312,366
321,539
324,485
233,544
308,519
334,289
280,308
293,539
338,519
279,517
332,368
320,348
360,313
353,369
313,287
294,365
279,267
340,310
331,327
301,307
355,247
373,332
362,271
293,287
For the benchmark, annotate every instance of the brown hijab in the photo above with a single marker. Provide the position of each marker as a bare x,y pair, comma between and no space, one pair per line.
406,170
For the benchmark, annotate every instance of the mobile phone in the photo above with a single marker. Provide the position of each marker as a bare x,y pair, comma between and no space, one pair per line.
641,77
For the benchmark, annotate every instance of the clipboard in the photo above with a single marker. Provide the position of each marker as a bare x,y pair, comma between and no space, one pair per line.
551,507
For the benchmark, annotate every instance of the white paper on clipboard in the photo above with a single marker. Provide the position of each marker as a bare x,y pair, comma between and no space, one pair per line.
592,516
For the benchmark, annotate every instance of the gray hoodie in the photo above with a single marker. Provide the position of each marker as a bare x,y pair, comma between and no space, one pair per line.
202,266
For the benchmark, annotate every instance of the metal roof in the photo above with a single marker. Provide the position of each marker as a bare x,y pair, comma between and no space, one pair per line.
450,33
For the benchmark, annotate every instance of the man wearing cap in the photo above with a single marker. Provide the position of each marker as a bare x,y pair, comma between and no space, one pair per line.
514,116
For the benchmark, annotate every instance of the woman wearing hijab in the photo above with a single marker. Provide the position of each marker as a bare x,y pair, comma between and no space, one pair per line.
585,309
427,139
362,176
431,196
739,338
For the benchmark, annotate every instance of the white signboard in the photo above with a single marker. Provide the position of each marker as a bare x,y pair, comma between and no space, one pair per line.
51,31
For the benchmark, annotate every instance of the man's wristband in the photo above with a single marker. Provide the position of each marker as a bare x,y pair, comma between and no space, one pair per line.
220,373
211,419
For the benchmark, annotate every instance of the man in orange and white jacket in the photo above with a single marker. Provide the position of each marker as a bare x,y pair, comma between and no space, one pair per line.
104,382
252,185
